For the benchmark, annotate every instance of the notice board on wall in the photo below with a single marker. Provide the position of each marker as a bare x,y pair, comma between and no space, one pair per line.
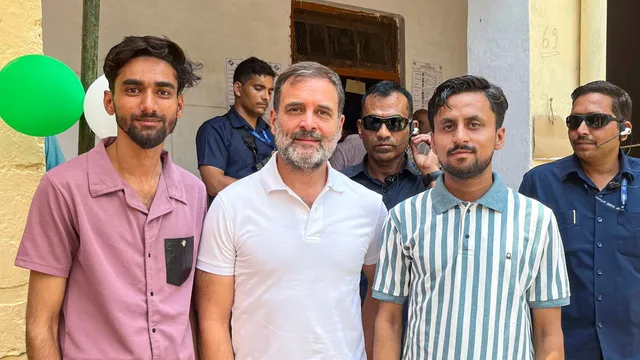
550,140
425,78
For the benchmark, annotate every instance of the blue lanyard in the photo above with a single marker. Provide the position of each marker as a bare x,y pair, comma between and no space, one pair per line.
623,193
623,196
264,138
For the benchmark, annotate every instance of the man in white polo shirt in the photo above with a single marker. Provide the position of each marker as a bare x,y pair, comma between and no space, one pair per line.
291,275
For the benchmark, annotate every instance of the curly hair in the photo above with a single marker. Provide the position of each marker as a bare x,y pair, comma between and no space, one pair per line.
187,71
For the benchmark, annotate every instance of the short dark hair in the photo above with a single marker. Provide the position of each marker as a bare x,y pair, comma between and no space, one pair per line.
468,83
250,67
622,104
385,89
420,112
187,71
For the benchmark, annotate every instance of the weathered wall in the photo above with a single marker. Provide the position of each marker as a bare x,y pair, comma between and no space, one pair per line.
21,167
532,50
555,58
434,31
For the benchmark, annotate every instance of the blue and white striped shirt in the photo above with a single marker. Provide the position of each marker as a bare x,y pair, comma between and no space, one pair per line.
472,270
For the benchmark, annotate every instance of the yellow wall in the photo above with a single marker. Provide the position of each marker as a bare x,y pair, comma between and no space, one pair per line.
21,167
555,57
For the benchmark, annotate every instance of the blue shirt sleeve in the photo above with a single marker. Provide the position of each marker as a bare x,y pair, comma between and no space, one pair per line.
210,145
52,152
527,186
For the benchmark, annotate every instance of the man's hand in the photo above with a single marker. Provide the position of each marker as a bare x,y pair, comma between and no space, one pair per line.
425,163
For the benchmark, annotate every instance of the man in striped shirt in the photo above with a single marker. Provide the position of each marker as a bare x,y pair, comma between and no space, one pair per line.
475,258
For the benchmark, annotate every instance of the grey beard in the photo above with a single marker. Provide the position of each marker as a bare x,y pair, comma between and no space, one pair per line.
305,163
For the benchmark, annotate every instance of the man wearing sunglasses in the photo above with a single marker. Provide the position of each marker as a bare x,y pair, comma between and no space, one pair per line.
386,133
595,196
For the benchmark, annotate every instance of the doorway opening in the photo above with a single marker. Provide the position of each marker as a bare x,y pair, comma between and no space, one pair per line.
359,46
623,59
353,103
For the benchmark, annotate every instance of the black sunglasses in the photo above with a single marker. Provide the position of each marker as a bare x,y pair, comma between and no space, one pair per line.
393,123
593,121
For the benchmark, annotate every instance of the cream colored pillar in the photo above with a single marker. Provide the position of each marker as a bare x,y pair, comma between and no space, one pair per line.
554,73
593,40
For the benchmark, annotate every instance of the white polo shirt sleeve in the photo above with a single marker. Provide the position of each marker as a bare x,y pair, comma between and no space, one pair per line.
217,253
373,252
550,287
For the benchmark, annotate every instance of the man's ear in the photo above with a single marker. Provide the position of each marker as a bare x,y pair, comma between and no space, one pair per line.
107,100
180,105
272,119
360,128
628,125
433,142
500,138
237,88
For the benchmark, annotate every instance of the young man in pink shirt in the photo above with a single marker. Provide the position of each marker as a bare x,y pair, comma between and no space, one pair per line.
112,235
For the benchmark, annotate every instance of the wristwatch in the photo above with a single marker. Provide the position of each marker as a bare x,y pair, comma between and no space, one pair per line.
431,177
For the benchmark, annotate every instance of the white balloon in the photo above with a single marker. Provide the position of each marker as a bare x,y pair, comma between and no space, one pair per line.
102,124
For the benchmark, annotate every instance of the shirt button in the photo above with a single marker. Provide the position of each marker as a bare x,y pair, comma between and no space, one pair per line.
151,293
599,244
599,219
468,211
599,298
466,236
599,272
153,330
600,325
149,254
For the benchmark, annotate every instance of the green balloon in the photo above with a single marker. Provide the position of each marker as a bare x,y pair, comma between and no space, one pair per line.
39,95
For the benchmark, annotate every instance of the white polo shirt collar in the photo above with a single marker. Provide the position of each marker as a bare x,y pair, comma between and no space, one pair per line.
272,181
